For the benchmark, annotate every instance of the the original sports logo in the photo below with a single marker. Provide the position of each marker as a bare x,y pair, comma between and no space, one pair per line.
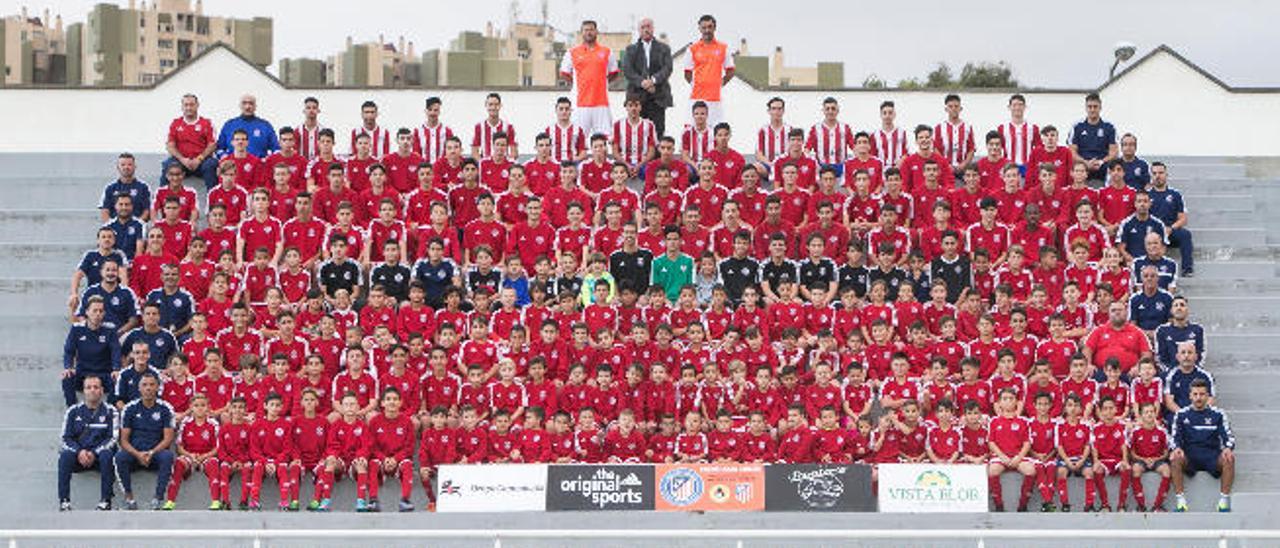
681,487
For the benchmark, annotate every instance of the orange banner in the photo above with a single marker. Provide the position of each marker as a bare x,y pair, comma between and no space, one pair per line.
710,487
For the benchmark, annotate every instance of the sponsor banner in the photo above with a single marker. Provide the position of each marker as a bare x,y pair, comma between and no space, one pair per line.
933,488
600,487
492,488
818,488
710,487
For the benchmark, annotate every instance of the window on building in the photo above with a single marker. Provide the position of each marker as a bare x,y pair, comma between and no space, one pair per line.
164,44
202,26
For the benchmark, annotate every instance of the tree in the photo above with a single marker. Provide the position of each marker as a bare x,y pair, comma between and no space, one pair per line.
987,75
939,77
910,83
873,82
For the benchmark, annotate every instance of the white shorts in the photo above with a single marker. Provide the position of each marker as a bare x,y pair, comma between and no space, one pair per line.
594,120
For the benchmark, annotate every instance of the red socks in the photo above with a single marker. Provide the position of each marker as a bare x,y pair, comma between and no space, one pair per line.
212,472
406,480
175,480
1138,495
997,495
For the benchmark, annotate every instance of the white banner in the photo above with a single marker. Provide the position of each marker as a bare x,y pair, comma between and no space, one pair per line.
492,488
932,488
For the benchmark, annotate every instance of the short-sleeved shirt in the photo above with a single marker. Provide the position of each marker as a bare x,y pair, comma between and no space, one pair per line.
1137,174
146,424
707,61
1166,205
1092,141
191,138
135,189
591,67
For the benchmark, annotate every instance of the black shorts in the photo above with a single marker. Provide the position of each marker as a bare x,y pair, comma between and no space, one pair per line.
1202,460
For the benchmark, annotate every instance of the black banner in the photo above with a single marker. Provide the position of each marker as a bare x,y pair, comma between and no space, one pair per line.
600,487
818,488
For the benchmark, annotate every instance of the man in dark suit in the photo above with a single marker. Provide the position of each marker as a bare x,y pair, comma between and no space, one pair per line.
647,66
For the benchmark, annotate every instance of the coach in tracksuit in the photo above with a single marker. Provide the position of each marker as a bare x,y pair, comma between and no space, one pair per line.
91,350
88,443
146,440
1202,441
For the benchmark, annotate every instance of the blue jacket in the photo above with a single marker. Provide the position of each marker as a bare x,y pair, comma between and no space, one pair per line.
262,137
1206,428
135,189
1132,235
84,428
91,350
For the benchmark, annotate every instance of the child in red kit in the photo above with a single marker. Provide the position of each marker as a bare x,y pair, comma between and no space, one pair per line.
1010,442
1149,452
438,446
1044,448
273,452
390,449
1074,438
346,452
1110,453
310,434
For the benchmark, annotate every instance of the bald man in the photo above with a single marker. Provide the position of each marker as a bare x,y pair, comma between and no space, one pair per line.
647,67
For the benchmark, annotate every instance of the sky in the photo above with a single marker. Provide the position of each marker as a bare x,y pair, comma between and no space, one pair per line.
1061,44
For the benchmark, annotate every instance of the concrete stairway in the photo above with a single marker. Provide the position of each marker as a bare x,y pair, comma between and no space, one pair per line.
48,216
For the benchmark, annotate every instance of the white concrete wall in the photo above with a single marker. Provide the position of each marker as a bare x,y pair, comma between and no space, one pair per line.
1173,109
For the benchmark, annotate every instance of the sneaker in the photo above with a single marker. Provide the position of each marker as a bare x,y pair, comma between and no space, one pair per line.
1104,508
431,507
215,505
1181,504
406,505
130,504
1064,508
313,505
294,505
1188,273
168,505
323,506
1159,509
361,505
284,507
103,506
244,506
155,504
1224,504
1022,508
374,506
1091,508
64,506
998,508
226,505
1140,508
255,506
1047,507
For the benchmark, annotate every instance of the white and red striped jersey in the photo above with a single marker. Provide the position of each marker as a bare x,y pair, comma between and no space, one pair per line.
566,142
695,144
772,141
428,141
308,140
635,140
830,145
954,141
379,141
1019,139
890,146
482,136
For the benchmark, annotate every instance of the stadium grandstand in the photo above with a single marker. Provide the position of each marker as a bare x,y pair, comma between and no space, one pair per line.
345,302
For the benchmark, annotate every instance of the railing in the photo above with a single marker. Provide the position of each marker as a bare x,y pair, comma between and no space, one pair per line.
736,536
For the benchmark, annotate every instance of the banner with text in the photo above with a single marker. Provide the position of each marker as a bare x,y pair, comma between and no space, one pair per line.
600,487
710,487
933,488
818,488
492,488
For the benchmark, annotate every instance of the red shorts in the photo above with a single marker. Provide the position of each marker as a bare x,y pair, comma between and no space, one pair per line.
1110,467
